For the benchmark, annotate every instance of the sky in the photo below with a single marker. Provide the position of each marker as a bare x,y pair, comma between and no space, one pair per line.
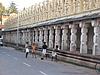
20,4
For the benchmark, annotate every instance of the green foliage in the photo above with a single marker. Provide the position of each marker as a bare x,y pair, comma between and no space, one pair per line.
2,8
12,8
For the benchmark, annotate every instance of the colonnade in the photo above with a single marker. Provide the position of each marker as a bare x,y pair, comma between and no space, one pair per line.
82,36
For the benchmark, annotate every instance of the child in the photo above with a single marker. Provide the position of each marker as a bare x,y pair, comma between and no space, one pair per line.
54,53
27,49
34,48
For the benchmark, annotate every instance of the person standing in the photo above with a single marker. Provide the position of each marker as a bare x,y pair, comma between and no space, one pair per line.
54,53
44,50
27,49
34,48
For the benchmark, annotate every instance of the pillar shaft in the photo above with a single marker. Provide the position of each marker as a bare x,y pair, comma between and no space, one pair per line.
41,37
28,36
33,33
36,36
45,34
65,38
57,36
83,48
84,30
73,38
20,37
23,37
96,38
51,38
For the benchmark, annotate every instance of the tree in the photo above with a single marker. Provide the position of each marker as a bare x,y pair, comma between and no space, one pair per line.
2,10
12,8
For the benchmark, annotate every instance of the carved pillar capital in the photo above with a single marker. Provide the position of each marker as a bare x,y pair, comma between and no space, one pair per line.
46,28
51,27
64,27
83,25
73,26
40,29
57,27
95,23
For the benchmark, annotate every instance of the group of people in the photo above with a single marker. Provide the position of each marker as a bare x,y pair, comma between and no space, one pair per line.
44,51
34,48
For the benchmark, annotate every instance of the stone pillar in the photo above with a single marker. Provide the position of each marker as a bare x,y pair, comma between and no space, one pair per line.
26,35
19,37
12,37
96,38
23,37
51,37
73,38
84,30
45,35
64,38
8,36
33,33
57,36
41,37
36,36
29,36
15,38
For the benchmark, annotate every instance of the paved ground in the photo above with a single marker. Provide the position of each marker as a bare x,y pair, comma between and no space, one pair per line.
13,62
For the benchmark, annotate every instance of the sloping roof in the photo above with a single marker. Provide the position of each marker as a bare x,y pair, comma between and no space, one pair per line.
2,26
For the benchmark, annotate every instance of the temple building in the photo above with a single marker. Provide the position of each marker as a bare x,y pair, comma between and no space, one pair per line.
73,25
3,18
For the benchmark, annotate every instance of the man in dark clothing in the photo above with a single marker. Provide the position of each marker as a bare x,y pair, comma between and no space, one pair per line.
44,49
44,46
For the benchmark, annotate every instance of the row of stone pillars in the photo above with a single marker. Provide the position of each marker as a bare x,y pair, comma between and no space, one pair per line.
80,36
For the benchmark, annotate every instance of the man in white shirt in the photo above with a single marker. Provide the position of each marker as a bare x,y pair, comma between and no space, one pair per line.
27,49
